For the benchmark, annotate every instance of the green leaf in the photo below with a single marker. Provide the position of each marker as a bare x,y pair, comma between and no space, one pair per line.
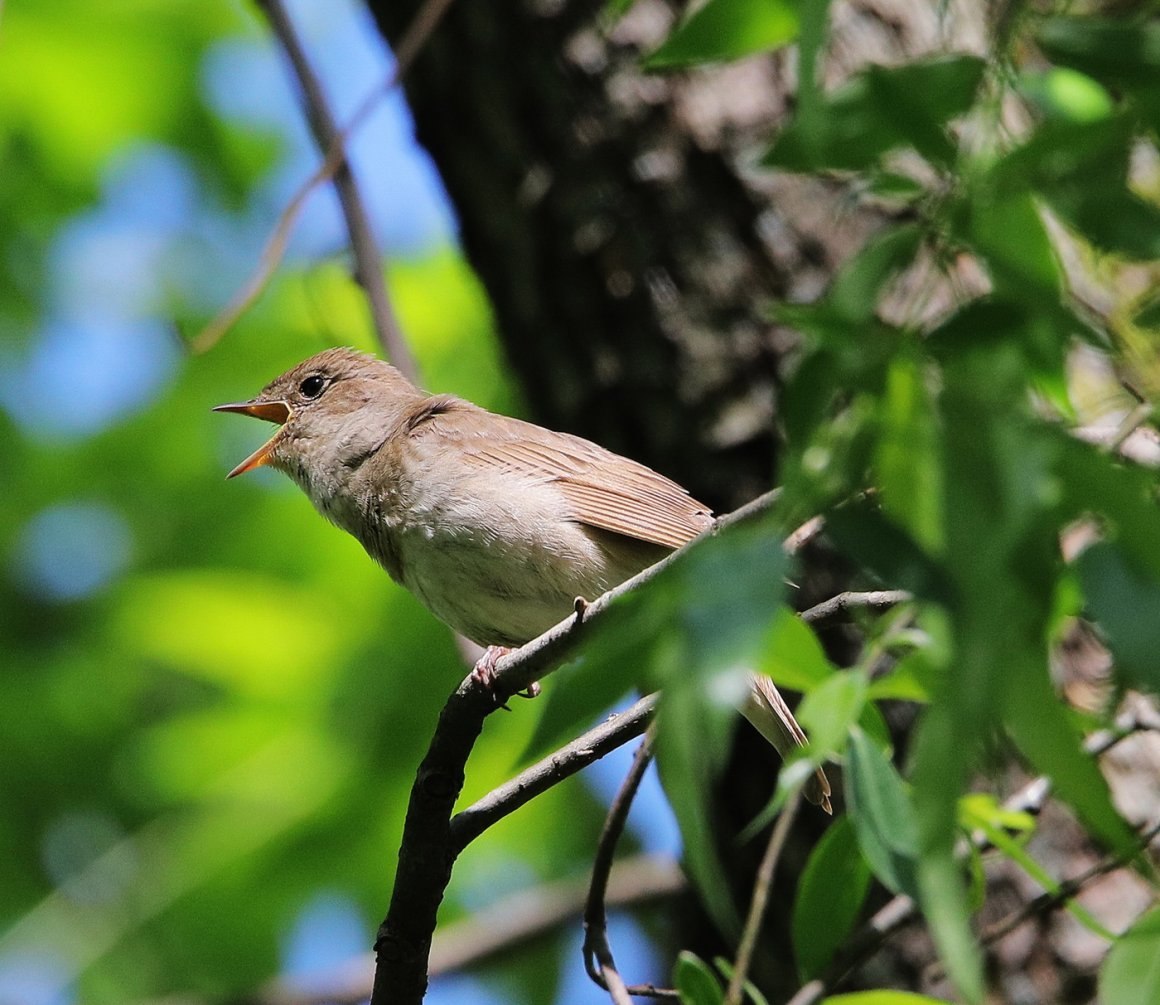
792,657
882,813
1081,169
911,679
906,457
1122,496
853,295
1041,728
878,110
1008,232
894,186
829,711
829,897
940,766
692,743
727,30
1148,315
695,981
1125,602
1067,95
874,726
844,320
1131,973
981,809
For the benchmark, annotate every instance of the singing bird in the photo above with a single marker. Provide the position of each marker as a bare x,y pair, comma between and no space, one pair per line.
495,524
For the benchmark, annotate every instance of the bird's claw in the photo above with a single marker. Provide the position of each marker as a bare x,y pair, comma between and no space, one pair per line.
484,670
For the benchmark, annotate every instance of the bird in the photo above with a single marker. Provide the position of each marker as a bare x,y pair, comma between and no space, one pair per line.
497,525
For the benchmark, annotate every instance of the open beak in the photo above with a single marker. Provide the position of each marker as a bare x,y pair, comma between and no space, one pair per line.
271,411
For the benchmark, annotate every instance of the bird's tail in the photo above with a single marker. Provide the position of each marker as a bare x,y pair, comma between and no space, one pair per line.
766,709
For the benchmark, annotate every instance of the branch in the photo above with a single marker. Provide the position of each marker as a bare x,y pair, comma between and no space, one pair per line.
616,731
598,959
428,850
425,21
762,887
845,601
368,260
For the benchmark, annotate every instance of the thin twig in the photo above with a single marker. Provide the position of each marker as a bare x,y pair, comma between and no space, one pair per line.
598,959
845,601
368,259
420,30
805,534
763,886
616,731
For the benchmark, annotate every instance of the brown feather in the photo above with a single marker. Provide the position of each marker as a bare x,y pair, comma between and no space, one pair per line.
603,489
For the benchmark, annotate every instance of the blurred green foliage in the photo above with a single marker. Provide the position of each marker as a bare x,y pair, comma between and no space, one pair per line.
226,719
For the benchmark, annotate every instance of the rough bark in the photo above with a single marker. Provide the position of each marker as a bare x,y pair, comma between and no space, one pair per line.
621,251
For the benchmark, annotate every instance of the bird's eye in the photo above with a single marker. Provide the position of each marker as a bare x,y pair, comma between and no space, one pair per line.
312,386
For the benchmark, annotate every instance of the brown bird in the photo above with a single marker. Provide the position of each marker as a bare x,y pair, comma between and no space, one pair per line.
495,524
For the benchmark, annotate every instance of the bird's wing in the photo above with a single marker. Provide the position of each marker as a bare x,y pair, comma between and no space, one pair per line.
603,489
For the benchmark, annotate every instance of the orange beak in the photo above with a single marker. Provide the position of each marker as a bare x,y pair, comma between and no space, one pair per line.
271,411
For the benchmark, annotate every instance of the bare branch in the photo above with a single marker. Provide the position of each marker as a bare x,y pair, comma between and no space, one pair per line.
763,885
420,29
368,259
598,959
846,601
468,824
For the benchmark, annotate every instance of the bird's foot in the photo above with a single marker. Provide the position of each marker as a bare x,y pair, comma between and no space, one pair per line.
484,672
484,669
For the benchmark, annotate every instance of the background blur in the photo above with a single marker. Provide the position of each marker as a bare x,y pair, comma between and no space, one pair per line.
212,702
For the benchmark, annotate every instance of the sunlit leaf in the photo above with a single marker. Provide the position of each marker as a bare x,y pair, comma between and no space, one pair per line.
1067,94
995,831
727,30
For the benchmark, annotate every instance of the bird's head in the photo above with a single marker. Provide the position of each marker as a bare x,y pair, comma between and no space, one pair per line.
330,409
